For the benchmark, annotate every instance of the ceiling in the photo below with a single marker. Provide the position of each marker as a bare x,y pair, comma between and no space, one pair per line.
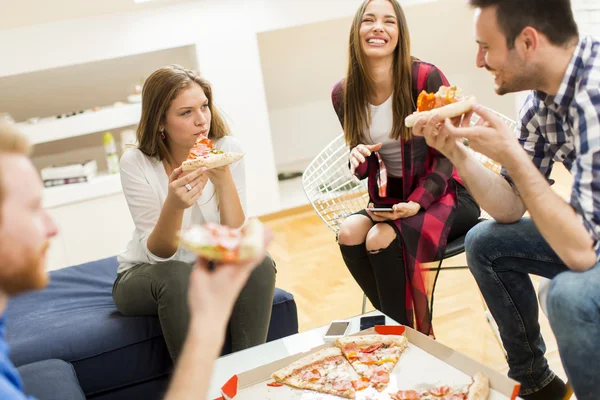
31,12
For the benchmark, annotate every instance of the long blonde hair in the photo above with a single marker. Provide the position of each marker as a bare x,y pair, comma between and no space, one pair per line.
160,89
359,83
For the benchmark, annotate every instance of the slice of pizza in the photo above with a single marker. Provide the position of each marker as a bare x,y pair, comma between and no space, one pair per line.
204,154
326,371
221,243
373,356
478,389
448,102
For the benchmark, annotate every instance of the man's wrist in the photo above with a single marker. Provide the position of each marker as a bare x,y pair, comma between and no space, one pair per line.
458,155
207,330
515,160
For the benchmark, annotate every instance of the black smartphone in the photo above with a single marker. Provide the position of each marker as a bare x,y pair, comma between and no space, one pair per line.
369,322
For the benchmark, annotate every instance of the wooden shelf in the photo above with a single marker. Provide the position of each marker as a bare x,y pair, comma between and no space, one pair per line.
100,186
82,124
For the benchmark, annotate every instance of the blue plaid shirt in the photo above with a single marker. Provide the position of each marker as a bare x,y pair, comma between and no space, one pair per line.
566,128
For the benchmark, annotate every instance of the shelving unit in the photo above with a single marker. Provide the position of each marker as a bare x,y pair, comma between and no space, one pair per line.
100,186
82,124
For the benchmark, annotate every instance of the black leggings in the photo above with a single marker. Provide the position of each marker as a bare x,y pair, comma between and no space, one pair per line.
381,274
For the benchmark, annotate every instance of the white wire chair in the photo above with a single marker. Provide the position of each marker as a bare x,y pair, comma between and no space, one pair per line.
336,194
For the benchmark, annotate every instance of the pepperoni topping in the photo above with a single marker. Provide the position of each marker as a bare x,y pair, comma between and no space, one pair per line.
372,348
406,395
360,385
312,376
202,146
380,377
455,397
350,347
441,391
342,385
275,384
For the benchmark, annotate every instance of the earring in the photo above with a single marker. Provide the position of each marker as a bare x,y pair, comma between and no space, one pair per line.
162,134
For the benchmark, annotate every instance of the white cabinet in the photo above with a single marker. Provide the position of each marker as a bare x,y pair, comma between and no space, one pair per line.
90,230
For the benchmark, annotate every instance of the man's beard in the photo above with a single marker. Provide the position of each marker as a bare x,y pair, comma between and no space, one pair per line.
31,276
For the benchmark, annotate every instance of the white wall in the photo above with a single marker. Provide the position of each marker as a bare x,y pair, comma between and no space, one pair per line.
299,77
587,15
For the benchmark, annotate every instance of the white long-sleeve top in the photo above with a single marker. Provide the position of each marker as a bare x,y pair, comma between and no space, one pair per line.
145,185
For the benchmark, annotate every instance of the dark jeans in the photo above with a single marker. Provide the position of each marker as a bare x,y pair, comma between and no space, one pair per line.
500,257
382,276
161,289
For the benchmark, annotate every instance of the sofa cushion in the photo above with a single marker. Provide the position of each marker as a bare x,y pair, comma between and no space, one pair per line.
75,320
51,380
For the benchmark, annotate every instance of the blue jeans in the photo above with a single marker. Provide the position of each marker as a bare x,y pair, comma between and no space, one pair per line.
500,257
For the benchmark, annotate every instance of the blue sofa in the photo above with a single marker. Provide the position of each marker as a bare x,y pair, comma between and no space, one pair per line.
114,357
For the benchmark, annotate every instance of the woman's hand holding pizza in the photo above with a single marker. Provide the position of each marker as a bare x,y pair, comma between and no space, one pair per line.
359,154
220,176
185,188
213,291
400,210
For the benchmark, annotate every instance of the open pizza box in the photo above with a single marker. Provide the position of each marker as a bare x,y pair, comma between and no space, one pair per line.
425,364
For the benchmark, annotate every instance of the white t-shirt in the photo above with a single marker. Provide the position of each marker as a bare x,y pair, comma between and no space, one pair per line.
145,185
382,120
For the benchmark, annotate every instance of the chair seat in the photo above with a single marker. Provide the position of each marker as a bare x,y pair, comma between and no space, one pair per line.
455,247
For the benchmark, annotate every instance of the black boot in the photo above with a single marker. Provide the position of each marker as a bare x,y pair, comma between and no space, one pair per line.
357,261
390,276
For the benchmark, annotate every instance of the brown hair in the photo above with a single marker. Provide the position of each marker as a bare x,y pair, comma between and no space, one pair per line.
359,83
14,142
160,89
553,18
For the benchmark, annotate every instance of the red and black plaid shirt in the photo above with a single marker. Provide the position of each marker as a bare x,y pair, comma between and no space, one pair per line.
428,178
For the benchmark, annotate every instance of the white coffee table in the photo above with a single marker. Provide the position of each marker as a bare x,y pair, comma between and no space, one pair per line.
245,360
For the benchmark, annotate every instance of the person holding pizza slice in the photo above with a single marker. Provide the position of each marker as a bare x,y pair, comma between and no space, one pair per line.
535,46
179,118
383,250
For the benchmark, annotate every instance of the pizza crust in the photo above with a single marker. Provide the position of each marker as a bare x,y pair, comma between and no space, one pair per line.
368,340
211,161
480,389
447,111
321,355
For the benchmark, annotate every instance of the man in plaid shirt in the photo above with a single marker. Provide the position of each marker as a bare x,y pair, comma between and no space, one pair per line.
535,45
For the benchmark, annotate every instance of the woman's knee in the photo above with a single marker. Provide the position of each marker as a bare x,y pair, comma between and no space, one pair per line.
353,230
380,237
173,277
264,273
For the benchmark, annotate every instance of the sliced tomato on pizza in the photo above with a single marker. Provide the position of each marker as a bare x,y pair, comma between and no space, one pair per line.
224,244
448,102
373,356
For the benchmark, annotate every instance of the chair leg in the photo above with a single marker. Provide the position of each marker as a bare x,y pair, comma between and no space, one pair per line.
437,274
364,305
